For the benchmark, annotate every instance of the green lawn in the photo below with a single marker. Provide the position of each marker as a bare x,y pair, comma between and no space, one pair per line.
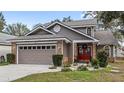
4,63
79,76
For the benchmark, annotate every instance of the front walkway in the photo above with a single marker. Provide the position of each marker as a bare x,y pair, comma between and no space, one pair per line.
14,71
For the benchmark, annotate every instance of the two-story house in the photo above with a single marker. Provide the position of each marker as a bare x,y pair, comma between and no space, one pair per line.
77,40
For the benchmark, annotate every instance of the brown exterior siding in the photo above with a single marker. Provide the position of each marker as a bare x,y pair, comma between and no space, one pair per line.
94,50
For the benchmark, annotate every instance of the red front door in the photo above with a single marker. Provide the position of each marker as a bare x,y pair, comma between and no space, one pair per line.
84,53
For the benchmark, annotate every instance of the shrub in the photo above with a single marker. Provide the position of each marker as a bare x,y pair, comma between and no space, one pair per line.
94,62
96,67
57,60
66,69
2,59
102,57
82,68
4,63
10,58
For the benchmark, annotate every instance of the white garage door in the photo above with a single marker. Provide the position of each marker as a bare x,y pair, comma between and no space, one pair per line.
40,54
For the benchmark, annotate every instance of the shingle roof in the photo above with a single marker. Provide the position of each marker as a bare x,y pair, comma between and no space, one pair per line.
105,37
37,37
88,22
4,37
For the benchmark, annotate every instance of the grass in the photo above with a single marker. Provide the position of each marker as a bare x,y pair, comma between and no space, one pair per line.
75,76
4,63
104,75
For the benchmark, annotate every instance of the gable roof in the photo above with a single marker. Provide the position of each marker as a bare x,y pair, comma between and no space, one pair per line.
4,37
105,37
39,38
78,23
66,26
39,27
82,23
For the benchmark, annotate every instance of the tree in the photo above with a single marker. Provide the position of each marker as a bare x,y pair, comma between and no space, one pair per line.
89,14
109,18
17,29
113,20
2,22
55,20
67,19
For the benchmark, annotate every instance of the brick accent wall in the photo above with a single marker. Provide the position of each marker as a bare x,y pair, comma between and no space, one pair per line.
94,50
13,50
59,47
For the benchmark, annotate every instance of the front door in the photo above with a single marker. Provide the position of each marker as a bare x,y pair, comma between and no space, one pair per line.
84,53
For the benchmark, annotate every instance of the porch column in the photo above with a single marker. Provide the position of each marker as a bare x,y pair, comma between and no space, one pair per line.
94,50
113,51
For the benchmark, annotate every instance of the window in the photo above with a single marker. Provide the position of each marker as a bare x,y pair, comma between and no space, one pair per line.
38,47
25,47
80,50
21,47
48,47
89,31
34,47
107,49
29,47
43,47
53,47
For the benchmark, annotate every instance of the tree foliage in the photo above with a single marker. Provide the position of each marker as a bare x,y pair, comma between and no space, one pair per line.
2,22
67,19
112,20
17,29
109,18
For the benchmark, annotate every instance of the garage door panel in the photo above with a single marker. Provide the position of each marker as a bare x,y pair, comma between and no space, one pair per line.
35,56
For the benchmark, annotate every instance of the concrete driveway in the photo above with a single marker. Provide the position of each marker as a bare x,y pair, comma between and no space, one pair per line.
15,71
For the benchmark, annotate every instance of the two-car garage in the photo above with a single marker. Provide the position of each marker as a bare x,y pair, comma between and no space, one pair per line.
35,54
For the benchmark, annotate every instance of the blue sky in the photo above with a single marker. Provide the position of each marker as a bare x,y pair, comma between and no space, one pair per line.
30,18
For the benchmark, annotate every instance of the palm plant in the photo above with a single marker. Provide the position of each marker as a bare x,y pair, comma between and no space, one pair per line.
17,29
2,22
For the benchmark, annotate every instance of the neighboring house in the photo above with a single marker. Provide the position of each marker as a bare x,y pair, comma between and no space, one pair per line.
5,47
76,40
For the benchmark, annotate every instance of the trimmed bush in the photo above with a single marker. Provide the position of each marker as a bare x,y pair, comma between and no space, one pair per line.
10,58
96,67
102,56
57,60
2,59
82,68
66,69
94,62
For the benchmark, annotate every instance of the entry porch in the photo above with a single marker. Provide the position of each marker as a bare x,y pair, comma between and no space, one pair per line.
84,51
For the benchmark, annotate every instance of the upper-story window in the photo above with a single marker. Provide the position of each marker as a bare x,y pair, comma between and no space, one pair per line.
89,31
